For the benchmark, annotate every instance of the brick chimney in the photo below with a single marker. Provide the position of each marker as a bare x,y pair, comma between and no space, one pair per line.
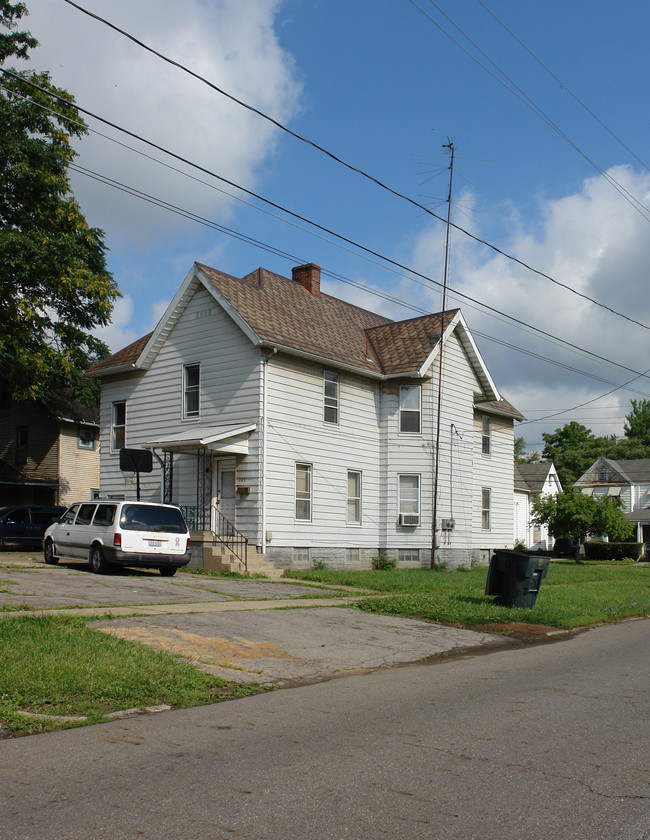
308,276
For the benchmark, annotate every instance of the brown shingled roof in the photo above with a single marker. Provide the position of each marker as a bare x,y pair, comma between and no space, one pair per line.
404,346
126,356
281,311
501,406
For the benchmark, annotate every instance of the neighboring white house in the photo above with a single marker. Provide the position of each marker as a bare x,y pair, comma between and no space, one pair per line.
630,480
532,481
310,424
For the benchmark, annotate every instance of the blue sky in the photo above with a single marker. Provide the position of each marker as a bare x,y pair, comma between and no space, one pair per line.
381,86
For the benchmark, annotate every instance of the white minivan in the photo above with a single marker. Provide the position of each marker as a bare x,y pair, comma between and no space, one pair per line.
108,532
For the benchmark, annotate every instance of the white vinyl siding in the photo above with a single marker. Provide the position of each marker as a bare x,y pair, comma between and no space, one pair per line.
230,396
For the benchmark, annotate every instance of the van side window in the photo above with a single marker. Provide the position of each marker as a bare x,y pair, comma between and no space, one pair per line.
105,515
69,515
85,514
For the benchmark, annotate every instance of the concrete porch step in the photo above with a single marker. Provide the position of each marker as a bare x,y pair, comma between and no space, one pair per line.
217,556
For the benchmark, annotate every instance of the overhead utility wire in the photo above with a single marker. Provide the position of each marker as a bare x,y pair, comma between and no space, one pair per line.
588,402
377,254
563,85
477,305
264,246
273,250
350,166
523,97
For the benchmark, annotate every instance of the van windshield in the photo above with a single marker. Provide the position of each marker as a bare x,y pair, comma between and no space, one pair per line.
152,518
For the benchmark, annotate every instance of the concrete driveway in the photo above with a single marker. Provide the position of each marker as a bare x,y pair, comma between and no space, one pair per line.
251,631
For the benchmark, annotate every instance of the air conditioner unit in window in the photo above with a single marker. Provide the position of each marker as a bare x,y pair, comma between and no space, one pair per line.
409,519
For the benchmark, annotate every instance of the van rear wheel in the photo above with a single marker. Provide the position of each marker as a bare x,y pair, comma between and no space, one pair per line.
48,553
97,560
167,571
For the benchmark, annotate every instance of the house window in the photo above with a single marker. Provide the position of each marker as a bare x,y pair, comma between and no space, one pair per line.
303,492
409,494
118,427
352,556
408,555
300,557
330,397
191,385
486,434
486,498
354,497
410,398
22,440
86,437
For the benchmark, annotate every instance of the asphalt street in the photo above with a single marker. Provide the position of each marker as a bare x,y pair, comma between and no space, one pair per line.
524,743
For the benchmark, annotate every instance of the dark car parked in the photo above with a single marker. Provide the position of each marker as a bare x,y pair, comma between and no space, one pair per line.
565,547
23,526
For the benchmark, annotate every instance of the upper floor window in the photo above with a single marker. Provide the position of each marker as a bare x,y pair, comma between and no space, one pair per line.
486,434
303,492
354,497
486,499
191,386
118,427
410,399
86,437
330,397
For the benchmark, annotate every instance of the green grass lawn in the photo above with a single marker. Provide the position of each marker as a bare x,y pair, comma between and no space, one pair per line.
58,666
570,596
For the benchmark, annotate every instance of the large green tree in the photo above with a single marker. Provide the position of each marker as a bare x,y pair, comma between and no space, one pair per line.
637,422
54,285
574,514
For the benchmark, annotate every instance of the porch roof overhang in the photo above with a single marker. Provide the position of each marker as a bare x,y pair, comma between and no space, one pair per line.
232,440
642,517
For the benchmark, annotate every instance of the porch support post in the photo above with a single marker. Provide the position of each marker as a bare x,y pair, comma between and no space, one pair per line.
204,489
168,477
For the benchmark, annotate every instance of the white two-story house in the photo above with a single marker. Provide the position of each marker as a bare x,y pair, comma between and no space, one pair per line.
312,425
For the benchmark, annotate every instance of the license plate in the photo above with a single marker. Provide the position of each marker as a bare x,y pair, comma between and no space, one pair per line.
154,543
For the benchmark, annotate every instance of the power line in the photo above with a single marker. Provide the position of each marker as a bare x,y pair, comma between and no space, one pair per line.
413,274
523,97
350,166
562,84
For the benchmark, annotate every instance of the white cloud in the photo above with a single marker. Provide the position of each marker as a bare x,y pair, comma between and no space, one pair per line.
230,42
119,333
594,242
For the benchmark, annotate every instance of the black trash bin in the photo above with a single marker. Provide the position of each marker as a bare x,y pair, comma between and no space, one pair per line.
514,577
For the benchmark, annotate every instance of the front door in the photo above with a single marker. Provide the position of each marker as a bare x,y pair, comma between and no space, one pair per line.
225,490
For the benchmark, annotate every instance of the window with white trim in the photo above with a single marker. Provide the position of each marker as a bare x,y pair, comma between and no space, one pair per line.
191,390
86,437
330,396
408,555
303,492
354,497
486,434
410,409
408,494
486,500
118,426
